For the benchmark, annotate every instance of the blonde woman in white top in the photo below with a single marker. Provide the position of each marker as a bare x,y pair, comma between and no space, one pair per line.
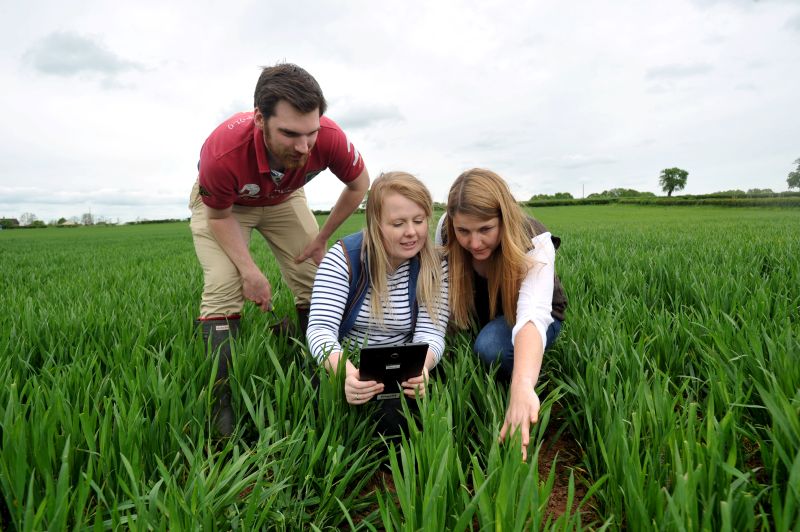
503,282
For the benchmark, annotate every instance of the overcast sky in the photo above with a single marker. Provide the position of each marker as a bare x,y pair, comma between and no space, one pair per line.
106,104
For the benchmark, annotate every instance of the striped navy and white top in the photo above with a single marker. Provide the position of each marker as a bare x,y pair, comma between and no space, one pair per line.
329,298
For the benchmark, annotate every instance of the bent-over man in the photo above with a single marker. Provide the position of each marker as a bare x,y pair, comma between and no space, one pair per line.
252,171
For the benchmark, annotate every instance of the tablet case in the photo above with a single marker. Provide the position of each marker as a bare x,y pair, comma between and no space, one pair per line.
392,365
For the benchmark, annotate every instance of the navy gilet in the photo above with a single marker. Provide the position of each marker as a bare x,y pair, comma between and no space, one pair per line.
359,282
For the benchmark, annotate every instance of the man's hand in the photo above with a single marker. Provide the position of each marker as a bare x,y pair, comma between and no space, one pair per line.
314,250
256,288
228,234
345,205
522,412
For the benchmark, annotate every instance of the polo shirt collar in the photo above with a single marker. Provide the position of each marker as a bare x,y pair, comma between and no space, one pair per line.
261,150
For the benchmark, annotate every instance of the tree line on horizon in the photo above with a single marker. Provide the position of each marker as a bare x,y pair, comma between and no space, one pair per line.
29,220
670,180
674,179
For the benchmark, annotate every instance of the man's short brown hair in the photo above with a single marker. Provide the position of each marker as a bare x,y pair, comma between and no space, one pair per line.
286,81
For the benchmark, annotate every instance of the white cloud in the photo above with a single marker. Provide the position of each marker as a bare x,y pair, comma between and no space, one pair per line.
107,197
679,71
352,116
554,96
794,23
66,53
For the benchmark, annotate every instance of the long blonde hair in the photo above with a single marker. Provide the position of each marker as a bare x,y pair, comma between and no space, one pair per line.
430,271
485,195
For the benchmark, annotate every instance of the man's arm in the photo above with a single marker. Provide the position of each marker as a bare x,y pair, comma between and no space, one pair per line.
228,233
348,201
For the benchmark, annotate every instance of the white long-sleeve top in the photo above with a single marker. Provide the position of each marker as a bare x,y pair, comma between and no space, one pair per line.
535,299
329,298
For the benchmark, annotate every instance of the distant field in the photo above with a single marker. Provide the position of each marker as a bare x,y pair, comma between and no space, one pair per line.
675,386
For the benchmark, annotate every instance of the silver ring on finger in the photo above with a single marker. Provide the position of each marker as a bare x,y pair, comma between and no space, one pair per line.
358,397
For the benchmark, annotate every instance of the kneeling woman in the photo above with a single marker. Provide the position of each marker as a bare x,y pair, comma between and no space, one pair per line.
502,266
392,255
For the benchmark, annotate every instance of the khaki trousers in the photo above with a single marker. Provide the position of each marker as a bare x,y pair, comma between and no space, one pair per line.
287,227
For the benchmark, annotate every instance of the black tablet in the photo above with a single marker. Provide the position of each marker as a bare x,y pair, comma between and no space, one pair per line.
391,365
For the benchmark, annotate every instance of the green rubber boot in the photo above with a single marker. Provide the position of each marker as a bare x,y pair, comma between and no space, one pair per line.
217,336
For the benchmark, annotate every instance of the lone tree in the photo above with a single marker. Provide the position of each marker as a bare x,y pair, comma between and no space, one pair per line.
794,177
27,218
672,179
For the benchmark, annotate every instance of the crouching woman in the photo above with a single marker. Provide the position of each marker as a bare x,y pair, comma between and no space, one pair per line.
502,265
385,285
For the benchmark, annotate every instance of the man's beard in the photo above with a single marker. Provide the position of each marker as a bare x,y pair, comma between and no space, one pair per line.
288,158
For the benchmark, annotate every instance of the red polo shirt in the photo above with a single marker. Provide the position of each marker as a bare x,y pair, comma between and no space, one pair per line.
234,168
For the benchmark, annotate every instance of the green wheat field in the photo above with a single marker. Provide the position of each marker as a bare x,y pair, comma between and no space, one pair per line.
671,400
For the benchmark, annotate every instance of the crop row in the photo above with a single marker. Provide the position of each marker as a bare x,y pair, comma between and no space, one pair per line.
675,380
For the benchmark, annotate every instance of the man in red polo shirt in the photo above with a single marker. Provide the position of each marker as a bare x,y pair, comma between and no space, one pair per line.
252,171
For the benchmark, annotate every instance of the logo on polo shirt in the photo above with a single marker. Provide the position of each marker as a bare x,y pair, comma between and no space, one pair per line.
239,121
356,155
249,191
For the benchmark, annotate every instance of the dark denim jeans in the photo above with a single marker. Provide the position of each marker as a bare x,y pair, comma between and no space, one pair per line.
493,344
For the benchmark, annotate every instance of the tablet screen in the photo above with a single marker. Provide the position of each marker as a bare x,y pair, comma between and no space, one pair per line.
392,365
